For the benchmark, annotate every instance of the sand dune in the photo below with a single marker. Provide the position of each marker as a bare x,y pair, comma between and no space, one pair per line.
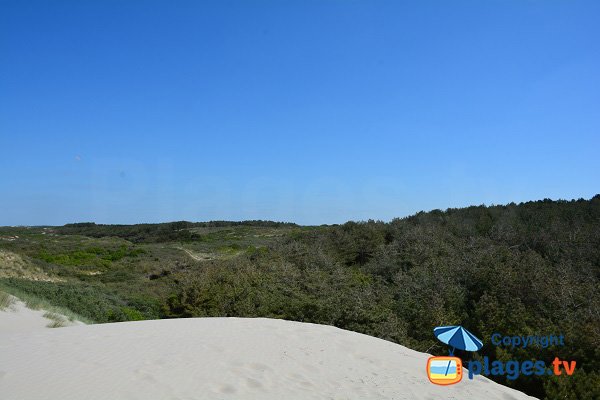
17,318
219,358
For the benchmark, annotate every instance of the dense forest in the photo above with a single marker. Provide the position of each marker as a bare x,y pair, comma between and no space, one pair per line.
519,269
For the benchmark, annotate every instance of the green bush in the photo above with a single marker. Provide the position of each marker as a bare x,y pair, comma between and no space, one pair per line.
91,302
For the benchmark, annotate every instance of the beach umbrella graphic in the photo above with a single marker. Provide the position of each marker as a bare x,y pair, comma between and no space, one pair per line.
458,338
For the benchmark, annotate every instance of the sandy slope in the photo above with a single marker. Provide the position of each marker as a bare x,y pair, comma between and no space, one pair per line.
17,318
219,358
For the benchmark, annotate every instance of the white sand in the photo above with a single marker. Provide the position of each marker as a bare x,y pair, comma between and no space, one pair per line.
219,358
17,318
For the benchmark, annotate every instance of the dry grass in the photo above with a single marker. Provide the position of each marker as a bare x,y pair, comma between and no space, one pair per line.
35,303
6,300
58,321
13,265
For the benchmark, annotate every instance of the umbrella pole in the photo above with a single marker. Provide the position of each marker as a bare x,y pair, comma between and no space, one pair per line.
448,367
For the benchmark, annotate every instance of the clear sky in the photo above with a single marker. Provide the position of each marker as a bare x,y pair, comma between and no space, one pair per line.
306,111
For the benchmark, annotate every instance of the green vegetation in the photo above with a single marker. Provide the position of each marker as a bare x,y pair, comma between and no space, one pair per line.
158,233
95,256
531,268
37,303
6,300
58,321
89,302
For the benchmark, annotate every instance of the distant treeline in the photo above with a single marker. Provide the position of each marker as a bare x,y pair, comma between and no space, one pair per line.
156,233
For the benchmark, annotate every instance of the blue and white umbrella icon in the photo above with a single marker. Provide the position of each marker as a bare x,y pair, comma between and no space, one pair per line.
458,338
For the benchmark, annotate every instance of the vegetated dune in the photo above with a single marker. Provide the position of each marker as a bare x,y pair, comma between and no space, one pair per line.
219,358
13,265
16,317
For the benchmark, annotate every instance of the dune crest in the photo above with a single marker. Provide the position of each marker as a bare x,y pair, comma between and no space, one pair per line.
220,358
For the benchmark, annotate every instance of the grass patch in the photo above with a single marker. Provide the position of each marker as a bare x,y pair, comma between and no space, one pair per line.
36,303
56,324
57,320
89,303
6,300
94,256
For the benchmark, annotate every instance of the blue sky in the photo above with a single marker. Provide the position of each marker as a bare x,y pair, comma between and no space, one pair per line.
306,111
